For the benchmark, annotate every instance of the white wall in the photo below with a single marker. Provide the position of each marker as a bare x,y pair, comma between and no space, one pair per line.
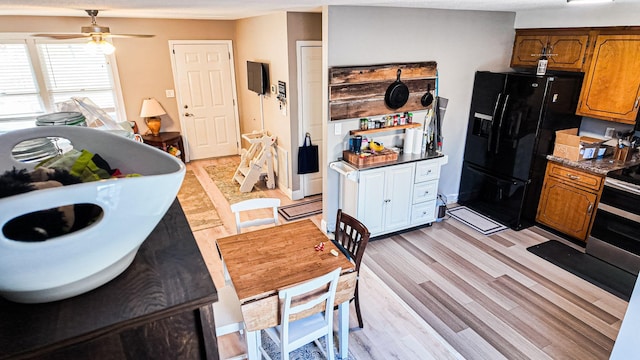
461,42
615,14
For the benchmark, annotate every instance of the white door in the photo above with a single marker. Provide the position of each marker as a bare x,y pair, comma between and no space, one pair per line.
310,95
206,96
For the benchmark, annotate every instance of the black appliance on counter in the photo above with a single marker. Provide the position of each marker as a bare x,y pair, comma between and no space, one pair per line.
511,130
615,235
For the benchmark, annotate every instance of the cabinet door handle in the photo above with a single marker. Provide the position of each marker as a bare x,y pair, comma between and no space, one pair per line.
573,177
426,192
635,106
387,200
590,208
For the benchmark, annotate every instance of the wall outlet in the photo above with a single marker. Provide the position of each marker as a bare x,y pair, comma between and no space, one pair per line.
169,93
608,134
337,130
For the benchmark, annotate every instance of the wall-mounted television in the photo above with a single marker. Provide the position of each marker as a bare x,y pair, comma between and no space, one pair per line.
257,76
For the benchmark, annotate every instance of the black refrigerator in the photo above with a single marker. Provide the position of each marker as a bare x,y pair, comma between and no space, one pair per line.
511,130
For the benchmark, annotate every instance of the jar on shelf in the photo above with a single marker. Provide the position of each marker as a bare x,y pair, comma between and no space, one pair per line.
364,124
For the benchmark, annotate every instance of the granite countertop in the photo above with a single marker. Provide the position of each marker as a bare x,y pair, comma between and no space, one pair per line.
597,166
402,159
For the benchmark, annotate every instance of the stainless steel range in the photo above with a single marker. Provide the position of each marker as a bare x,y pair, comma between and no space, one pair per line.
615,235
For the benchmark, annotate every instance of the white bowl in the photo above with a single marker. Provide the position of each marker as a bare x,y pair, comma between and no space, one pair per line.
74,263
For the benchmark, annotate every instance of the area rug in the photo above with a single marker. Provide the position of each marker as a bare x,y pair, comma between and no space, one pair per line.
600,273
307,352
197,206
222,176
475,220
301,209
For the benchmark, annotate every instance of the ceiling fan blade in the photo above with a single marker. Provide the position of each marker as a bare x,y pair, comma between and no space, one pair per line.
63,36
94,31
128,35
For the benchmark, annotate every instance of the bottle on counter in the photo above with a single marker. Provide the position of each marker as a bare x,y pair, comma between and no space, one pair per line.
365,143
542,63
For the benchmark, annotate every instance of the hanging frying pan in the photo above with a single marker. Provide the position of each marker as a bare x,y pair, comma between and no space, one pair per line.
397,94
427,98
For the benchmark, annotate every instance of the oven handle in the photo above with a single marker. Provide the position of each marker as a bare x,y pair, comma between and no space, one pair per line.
621,185
619,212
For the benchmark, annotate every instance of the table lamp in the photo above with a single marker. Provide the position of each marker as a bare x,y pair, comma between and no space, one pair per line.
151,111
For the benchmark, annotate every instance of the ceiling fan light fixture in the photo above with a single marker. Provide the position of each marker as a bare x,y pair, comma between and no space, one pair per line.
97,43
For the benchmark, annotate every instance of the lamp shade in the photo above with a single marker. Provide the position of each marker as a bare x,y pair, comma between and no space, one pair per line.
151,107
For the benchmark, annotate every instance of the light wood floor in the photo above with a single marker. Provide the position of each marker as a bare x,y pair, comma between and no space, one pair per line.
467,295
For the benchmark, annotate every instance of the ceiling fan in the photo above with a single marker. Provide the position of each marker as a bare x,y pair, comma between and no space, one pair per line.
97,34
93,31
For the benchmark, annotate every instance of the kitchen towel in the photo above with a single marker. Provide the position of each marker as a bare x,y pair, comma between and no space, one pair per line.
308,157
407,147
417,141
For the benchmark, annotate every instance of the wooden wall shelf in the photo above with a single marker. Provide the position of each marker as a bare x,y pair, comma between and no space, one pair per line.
385,129
358,91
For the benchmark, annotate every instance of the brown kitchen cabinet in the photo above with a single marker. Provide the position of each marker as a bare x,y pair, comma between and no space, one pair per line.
611,88
566,50
568,200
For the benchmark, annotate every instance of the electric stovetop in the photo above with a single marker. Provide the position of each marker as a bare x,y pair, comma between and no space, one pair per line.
630,174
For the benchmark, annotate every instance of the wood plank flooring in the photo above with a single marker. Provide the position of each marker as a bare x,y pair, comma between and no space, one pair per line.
448,292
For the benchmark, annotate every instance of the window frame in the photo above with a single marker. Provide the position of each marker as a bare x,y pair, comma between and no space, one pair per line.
38,72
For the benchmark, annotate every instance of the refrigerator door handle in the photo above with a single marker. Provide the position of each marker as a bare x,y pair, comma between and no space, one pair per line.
493,117
504,109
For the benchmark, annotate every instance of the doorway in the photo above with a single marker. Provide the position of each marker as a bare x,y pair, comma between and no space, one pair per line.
310,107
204,78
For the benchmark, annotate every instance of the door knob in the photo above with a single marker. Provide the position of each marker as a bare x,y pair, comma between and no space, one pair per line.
188,114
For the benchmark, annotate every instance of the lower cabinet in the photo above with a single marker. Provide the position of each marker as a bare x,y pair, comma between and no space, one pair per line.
569,199
425,193
383,198
394,198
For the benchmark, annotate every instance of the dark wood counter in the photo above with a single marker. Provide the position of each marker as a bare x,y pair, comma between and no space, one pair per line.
159,308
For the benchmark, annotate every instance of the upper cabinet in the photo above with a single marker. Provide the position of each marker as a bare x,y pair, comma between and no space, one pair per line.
611,87
608,56
565,49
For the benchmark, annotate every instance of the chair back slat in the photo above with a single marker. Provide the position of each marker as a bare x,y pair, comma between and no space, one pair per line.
256,204
353,235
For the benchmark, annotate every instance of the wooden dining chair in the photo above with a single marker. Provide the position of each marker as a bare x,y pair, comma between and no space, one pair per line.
353,236
297,328
227,314
255,204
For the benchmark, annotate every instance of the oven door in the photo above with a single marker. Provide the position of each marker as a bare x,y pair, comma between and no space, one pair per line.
615,235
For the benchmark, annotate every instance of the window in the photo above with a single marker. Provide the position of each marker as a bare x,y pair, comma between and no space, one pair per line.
36,74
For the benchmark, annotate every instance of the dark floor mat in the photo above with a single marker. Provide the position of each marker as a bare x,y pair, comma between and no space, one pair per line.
602,274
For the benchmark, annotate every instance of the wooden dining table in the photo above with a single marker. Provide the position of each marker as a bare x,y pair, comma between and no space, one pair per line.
262,262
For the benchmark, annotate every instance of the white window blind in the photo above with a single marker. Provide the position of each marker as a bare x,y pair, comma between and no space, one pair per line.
70,70
18,87
61,70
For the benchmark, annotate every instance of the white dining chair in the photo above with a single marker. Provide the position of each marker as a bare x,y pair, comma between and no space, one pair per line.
255,204
293,334
227,314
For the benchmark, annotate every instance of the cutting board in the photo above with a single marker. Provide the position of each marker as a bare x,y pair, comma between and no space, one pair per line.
385,155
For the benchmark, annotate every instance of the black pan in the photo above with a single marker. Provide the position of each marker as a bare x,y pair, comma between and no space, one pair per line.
397,94
427,98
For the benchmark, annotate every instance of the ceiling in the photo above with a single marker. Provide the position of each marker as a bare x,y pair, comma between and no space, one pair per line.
236,9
